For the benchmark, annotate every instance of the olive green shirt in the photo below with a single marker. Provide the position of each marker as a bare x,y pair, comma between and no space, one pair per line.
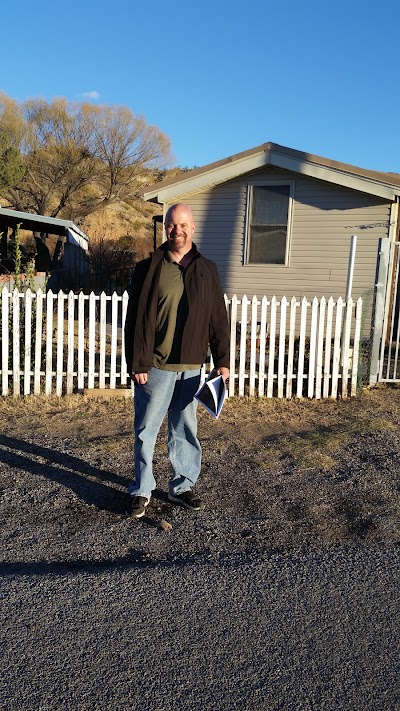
172,312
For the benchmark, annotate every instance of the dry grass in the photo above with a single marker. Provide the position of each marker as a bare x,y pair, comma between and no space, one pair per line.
275,474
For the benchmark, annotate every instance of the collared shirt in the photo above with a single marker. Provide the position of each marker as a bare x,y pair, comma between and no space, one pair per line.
172,312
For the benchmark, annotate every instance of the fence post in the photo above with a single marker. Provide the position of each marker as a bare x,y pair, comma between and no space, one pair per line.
243,339
232,375
378,308
263,335
81,342
60,343
337,340
5,339
282,347
27,301
328,348
253,345
313,347
49,342
16,349
92,336
272,347
302,344
38,341
290,358
320,348
103,337
114,323
124,308
70,342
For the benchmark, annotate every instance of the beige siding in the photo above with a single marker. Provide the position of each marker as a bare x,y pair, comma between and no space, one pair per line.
324,218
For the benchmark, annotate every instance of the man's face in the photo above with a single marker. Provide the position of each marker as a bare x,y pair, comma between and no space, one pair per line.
179,228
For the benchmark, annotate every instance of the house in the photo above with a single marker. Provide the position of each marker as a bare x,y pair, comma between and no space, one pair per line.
66,260
278,221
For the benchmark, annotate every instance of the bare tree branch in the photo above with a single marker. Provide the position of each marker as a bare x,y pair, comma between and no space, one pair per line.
79,157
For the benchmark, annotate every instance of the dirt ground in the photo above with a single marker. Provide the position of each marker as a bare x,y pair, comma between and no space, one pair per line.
276,474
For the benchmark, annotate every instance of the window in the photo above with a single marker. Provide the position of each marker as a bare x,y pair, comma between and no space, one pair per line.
268,224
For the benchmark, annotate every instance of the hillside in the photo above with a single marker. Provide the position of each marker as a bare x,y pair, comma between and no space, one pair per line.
127,222
122,220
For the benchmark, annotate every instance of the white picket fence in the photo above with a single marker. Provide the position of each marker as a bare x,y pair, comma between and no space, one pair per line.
64,343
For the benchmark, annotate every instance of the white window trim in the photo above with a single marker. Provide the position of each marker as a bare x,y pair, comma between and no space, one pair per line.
249,197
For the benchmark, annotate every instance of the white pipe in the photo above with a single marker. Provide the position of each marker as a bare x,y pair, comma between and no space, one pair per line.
350,270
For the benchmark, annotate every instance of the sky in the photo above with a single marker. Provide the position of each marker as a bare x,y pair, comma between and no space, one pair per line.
221,77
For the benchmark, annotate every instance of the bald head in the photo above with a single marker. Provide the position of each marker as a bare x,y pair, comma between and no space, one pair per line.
179,229
178,206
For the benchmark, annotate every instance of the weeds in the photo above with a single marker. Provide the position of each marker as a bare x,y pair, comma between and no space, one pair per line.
22,281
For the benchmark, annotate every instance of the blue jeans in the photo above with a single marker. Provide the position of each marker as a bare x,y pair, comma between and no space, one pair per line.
172,392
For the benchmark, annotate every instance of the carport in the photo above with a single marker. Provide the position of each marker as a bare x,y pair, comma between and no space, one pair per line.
72,244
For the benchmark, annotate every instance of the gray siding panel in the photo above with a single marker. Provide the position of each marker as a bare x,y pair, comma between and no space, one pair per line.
323,219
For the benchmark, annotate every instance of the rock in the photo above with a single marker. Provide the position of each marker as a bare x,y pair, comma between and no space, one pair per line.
165,525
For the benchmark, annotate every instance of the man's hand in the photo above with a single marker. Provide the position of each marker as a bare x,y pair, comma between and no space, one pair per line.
224,372
140,378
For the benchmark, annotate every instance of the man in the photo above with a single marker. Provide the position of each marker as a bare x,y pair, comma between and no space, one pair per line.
176,309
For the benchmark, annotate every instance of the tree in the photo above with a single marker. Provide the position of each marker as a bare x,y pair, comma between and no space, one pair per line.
79,157
11,164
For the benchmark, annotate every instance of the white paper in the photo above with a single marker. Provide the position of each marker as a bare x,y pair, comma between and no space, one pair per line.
212,394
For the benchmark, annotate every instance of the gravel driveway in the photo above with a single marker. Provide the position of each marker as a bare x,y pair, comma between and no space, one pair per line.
295,556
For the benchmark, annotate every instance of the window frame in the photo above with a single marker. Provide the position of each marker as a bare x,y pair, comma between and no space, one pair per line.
249,205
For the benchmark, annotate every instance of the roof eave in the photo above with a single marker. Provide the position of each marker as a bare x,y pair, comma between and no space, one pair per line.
201,179
42,220
334,175
206,179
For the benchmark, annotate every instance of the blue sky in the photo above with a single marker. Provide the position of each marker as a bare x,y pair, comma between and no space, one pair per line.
221,77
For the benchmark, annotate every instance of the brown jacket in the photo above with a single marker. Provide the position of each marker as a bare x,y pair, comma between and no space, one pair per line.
207,322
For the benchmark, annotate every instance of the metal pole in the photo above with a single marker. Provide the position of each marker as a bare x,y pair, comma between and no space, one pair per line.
350,270
378,326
